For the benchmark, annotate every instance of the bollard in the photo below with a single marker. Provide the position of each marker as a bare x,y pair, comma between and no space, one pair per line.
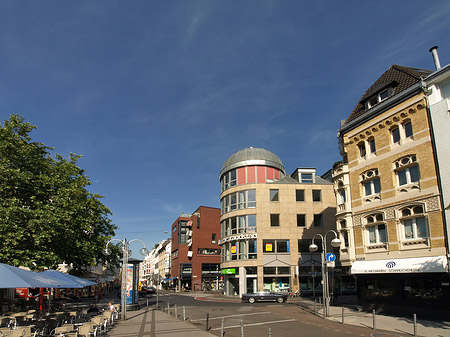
415,325
242,328
222,328
315,307
207,322
147,302
176,311
168,308
342,314
270,332
374,319
184,313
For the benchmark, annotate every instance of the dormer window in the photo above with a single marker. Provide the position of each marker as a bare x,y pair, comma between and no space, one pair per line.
379,97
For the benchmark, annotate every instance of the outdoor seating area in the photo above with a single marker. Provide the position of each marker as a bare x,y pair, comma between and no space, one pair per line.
46,315
72,322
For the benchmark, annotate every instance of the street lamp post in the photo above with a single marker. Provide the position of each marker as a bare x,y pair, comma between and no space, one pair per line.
325,287
124,246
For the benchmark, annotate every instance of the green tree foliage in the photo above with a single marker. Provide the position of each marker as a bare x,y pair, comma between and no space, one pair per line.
47,215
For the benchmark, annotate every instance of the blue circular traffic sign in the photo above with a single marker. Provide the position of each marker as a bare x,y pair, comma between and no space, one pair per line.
330,257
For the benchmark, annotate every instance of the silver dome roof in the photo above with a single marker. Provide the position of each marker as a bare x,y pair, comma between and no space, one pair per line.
252,156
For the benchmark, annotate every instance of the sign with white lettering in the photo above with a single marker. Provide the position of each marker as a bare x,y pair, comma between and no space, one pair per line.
240,237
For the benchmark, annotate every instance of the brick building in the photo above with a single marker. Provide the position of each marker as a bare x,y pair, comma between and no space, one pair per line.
389,208
195,250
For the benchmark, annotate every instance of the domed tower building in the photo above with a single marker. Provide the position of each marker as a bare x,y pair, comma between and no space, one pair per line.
268,219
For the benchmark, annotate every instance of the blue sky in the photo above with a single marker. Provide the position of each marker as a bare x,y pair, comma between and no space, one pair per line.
156,95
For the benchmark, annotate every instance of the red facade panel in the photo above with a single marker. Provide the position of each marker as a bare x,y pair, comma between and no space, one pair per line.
241,179
277,174
270,173
251,174
261,170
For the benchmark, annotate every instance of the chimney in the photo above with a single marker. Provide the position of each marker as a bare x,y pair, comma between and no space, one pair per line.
433,50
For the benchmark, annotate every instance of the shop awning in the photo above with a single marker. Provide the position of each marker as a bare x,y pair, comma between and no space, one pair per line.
433,264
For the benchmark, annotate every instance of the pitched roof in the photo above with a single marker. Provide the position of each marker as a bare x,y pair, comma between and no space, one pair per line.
398,77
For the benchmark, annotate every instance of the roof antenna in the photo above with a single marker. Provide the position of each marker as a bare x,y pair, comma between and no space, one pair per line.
433,50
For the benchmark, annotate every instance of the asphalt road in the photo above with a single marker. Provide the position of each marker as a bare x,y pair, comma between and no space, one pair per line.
244,319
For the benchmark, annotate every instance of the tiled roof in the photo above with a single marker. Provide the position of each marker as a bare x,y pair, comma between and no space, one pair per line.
399,77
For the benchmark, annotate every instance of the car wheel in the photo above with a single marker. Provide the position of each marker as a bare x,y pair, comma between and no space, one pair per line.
251,300
280,299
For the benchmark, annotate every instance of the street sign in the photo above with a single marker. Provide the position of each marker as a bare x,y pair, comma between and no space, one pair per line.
330,257
330,264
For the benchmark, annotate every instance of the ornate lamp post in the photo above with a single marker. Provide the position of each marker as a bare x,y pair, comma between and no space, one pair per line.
325,287
124,247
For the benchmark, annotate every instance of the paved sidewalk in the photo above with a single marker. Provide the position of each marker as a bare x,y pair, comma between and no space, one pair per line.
151,322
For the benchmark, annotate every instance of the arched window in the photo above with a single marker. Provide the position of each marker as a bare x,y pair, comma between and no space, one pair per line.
407,170
414,223
376,229
371,184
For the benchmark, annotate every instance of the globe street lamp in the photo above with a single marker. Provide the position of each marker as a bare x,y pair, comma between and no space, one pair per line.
124,247
325,287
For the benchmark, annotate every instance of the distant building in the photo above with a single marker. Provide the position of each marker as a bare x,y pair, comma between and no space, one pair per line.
268,220
195,250
389,209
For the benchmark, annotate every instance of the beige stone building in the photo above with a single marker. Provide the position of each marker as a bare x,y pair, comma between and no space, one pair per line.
268,219
389,212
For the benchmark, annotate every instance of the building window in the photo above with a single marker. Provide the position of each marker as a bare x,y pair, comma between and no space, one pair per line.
408,129
317,195
414,223
300,195
274,220
344,236
228,180
276,246
401,132
376,229
342,196
208,251
372,147
381,96
213,238
318,220
251,198
238,200
183,230
306,177
303,245
270,270
233,201
301,220
274,195
282,246
362,150
371,182
407,170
